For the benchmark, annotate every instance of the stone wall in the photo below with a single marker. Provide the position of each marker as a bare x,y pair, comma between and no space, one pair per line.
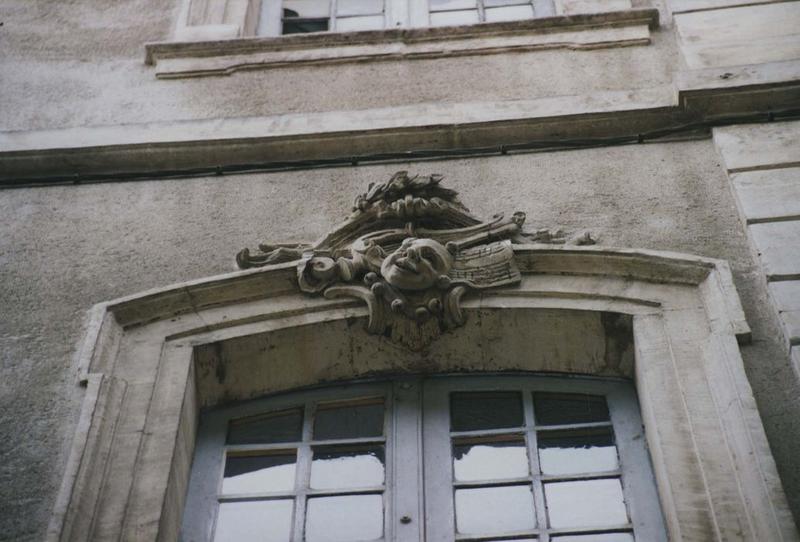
83,64
75,78
66,248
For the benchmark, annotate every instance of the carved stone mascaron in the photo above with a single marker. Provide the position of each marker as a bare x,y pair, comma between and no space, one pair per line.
410,250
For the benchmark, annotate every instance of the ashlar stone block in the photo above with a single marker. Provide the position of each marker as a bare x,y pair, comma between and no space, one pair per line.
778,245
766,195
740,35
681,6
759,146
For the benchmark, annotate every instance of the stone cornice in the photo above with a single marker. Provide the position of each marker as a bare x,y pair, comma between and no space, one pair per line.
219,146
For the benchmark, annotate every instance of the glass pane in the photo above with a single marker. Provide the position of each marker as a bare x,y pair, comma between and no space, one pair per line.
344,518
343,467
349,420
573,452
265,521
352,24
472,411
494,510
256,473
487,459
598,537
283,426
310,9
510,13
451,18
302,27
565,408
359,7
585,503
443,5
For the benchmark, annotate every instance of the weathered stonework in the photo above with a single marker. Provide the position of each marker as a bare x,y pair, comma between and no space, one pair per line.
170,352
762,165
233,136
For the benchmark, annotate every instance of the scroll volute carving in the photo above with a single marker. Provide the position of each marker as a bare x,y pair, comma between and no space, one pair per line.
410,250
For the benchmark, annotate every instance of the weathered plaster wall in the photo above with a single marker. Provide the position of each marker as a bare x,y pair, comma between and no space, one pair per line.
62,249
69,64
65,248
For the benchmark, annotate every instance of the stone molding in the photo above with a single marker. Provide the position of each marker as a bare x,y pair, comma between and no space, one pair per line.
146,366
189,57
189,148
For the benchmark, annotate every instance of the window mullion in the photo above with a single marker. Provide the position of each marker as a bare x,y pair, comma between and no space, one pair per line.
440,519
406,514
536,471
397,13
303,474
418,13
271,19
332,16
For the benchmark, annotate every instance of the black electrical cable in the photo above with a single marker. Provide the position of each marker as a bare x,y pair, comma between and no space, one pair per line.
703,126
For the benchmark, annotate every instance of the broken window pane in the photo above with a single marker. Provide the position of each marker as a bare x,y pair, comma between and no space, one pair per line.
490,458
577,451
254,472
347,467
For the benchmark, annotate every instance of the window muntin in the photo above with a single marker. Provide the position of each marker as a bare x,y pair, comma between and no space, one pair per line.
451,12
312,463
340,503
303,16
572,448
496,466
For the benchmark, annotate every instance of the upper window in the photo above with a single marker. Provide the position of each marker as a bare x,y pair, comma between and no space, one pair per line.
301,16
341,15
450,12
514,459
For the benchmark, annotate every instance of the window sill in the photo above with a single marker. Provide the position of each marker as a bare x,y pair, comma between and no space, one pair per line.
224,57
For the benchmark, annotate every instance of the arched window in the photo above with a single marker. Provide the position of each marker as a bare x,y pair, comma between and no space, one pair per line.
445,458
157,363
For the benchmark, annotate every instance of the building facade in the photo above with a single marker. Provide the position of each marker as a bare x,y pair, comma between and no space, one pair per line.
645,158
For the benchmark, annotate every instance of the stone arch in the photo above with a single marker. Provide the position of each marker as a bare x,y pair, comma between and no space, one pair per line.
151,361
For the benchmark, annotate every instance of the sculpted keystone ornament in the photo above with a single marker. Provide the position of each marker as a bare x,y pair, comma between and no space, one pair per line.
410,250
